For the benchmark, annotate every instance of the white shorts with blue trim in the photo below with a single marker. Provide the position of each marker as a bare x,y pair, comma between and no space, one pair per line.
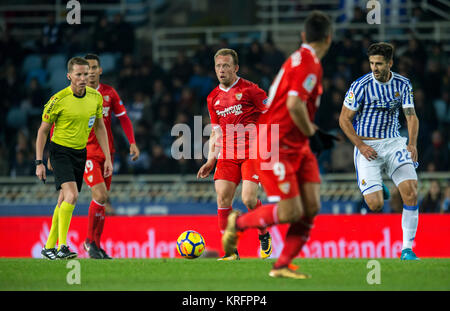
393,158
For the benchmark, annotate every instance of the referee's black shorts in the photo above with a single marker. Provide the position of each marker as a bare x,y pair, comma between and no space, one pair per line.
68,164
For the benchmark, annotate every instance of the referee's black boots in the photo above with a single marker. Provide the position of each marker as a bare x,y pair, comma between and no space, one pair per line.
65,253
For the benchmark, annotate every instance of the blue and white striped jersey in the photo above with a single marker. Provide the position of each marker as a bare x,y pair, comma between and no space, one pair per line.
378,104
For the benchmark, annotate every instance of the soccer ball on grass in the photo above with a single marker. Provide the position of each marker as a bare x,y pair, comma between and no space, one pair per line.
190,244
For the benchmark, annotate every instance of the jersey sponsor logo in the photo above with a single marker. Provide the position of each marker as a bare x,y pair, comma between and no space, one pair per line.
238,96
310,82
106,98
91,121
52,103
379,104
106,111
236,110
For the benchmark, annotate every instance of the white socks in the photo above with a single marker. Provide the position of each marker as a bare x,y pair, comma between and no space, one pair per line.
410,220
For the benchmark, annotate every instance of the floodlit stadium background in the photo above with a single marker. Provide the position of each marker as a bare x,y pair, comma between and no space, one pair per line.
159,57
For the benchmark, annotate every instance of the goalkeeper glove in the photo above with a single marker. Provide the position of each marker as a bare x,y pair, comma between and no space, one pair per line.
321,141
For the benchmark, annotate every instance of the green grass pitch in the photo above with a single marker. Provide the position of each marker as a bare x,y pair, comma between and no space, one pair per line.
207,274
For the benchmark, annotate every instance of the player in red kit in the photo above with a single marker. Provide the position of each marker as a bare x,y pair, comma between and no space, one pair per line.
93,177
234,107
290,174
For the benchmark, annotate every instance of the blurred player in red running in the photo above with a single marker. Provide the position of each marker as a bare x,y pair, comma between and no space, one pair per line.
290,176
234,107
95,160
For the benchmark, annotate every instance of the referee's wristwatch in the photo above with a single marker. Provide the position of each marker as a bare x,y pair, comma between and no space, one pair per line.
38,162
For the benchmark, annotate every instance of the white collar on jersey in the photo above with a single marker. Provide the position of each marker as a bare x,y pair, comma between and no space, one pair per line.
307,46
384,83
226,90
313,52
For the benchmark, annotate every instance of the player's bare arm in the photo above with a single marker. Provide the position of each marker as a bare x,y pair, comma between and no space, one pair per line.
299,114
206,168
413,130
41,139
345,122
102,137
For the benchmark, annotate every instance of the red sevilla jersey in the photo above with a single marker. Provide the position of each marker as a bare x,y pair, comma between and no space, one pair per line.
111,104
236,108
300,75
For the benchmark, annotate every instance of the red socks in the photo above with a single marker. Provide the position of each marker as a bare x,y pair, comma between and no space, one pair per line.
96,221
261,217
267,215
258,204
296,236
261,231
100,224
223,212
222,215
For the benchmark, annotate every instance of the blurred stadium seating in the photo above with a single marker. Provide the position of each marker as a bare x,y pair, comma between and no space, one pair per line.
32,62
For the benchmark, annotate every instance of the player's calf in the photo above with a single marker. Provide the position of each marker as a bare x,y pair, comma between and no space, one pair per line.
375,201
408,192
100,193
250,203
224,201
375,206
70,196
290,210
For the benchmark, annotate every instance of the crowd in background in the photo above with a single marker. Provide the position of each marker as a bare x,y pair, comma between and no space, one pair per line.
156,99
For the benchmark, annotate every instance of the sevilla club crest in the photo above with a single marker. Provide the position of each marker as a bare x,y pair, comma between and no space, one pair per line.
285,187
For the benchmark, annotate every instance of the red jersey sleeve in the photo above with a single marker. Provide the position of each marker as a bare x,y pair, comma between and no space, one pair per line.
212,112
259,98
303,77
116,104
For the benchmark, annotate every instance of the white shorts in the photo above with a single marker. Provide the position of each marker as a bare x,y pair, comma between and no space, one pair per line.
392,155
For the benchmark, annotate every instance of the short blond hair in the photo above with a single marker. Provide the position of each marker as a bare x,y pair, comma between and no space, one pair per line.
76,61
231,52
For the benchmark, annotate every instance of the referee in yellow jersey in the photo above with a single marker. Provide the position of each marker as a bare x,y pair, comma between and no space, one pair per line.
74,111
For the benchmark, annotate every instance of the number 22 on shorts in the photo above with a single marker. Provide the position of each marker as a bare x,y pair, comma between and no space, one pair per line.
402,156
